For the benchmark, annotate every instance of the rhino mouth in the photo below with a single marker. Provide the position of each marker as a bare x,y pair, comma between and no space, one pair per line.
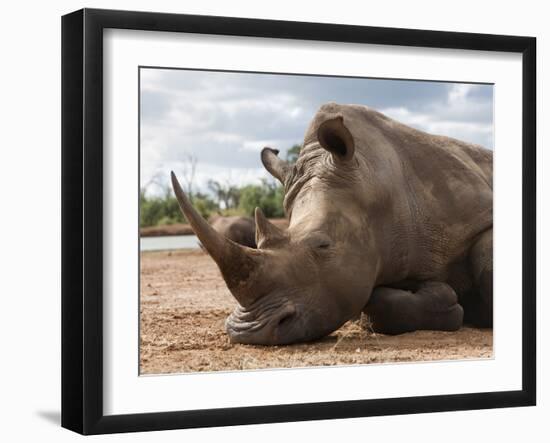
266,324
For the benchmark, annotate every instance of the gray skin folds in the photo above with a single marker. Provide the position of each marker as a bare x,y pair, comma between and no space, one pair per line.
383,218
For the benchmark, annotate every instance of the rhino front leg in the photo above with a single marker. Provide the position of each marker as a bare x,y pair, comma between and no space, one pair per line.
433,306
478,307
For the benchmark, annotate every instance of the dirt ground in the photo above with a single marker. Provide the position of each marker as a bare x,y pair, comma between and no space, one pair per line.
184,303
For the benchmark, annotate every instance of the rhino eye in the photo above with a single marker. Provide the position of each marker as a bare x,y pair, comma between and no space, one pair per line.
318,241
321,244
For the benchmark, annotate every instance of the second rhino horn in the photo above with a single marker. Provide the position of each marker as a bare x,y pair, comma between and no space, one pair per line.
238,264
266,232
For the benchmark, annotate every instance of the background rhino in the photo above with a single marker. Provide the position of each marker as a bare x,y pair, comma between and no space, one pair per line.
241,230
383,218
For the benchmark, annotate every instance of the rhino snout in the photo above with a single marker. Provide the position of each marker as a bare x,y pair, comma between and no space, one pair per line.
264,327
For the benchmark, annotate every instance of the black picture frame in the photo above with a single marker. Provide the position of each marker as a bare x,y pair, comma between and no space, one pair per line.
82,219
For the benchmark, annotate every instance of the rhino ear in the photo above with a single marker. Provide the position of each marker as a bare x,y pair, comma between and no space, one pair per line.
335,137
277,167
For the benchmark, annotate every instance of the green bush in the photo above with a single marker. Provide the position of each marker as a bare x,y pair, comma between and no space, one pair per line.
165,210
268,197
159,210
293,153
205,205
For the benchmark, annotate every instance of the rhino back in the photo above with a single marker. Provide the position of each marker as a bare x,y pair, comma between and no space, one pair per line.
239,229
429,195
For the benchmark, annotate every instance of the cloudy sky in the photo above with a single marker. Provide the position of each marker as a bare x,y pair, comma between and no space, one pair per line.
224,119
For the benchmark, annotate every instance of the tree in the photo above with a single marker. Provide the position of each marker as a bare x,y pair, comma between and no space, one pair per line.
156,210
268,197
293,153
158,181
205,205
226,194
188,170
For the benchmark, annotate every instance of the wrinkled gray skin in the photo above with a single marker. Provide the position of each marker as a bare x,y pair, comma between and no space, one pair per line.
383,218
241,230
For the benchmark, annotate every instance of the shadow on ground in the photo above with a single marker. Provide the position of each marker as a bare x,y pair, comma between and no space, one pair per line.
54,417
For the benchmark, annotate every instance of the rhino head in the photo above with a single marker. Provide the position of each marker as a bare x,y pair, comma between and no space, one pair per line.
302,283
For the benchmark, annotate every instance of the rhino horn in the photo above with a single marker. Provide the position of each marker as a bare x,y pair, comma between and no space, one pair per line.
266,232
277,167
238,264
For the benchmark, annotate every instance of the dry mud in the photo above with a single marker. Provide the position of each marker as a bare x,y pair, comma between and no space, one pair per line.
184,303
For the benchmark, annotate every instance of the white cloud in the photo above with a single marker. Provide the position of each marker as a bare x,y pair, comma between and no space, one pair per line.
458,93
457,117
257,145
433,124
225,119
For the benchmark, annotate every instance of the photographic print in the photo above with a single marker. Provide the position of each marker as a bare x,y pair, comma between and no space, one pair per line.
290,221
241,214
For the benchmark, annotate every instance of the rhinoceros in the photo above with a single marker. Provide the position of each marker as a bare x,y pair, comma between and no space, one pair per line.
241,230
383,218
